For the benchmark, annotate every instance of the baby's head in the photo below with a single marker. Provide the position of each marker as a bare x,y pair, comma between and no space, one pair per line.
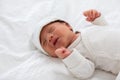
53,33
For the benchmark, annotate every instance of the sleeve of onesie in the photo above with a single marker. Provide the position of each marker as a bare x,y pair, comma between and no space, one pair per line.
78,65
100,21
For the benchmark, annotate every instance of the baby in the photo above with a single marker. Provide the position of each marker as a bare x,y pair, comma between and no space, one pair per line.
93,47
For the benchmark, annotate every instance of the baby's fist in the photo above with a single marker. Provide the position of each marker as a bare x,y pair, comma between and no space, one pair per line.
91,15
62,52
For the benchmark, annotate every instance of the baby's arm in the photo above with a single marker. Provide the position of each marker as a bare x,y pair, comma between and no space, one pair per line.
78,65
94,17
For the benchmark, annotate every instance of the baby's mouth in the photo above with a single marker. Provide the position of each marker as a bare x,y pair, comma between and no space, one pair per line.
54,43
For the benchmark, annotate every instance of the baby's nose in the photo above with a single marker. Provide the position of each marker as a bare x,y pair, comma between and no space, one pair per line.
50,36
50,39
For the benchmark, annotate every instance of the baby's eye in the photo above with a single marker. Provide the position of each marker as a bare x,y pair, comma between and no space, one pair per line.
44,42
51,29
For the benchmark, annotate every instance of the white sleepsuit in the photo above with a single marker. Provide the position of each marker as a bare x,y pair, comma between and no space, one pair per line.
96,47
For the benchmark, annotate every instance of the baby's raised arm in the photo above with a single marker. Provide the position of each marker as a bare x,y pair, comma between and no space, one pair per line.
95,17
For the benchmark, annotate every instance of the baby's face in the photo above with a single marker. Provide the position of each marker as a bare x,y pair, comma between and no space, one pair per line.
55,35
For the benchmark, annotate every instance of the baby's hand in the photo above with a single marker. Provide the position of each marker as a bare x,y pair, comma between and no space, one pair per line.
62,52
91,15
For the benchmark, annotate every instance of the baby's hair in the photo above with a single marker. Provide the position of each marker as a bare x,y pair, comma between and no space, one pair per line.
60,21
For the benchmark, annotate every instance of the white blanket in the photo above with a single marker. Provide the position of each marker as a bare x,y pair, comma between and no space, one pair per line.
19,60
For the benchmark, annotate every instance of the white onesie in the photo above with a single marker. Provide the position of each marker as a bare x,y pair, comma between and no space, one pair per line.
96,47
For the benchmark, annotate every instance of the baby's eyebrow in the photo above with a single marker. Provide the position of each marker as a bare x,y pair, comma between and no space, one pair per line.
50,29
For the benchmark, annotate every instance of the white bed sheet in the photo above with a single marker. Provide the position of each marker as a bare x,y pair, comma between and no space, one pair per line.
19,60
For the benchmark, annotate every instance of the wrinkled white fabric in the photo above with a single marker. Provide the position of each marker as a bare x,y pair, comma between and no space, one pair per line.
19,60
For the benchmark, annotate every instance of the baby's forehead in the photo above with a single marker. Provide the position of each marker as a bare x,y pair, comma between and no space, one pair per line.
46,27
51,23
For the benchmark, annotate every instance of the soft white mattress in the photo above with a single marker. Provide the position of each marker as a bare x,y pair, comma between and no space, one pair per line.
19,60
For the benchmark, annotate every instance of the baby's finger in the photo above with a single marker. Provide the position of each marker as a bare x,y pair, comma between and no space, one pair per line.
99,14
94,14
85,13
89,19
58,51
91,13
62,52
